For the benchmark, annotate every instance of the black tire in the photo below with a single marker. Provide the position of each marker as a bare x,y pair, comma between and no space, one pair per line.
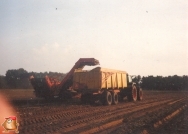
139,94
107,98
115,98
132,96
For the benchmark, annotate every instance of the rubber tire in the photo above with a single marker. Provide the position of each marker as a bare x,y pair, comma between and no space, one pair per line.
107,98
139,94
132,96
115,98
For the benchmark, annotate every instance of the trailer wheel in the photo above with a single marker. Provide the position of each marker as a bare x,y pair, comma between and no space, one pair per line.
115,98
132,96
139,94
107,98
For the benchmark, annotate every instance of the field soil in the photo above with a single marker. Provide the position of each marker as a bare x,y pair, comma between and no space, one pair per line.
159,112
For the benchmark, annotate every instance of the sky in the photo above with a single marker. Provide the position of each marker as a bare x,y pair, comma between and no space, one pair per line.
141,37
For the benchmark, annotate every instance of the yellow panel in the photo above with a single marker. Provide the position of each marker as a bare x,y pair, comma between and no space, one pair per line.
112,81
101,78
124,80
109,85
115,80
91,80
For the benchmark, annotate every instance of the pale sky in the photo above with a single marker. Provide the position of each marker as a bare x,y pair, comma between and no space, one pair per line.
141,37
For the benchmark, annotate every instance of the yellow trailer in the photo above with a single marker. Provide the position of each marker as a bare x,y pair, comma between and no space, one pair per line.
99,78
106,85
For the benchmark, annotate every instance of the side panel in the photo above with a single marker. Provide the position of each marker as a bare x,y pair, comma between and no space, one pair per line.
113,80
119,80
89,80
107,79
98,78
124,80
103,81
92,80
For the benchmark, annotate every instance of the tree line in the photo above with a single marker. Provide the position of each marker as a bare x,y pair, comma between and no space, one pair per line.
175,82
19,79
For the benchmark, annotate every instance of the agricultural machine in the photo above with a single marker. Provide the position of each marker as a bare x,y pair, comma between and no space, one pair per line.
49,87
103,85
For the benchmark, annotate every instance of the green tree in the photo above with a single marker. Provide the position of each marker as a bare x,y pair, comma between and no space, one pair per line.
17,78
3,84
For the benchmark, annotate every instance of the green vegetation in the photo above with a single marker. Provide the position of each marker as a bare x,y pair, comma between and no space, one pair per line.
165,83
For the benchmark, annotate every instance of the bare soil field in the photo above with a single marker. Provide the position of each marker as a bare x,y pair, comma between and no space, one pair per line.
159,112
